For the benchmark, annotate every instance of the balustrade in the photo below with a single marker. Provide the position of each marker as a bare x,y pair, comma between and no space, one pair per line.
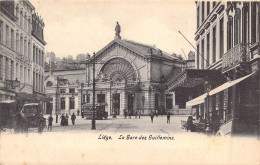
235,56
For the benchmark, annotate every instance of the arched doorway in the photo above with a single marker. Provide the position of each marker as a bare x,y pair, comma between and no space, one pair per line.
120,73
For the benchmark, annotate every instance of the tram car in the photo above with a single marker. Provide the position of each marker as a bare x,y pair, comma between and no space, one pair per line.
99,113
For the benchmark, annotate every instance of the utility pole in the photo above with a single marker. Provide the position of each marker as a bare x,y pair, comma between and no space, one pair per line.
94,94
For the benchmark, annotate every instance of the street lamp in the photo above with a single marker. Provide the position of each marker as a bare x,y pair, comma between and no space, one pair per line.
94,94
207,87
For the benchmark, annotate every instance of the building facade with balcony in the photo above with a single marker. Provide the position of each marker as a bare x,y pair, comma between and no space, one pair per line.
21,51
227,41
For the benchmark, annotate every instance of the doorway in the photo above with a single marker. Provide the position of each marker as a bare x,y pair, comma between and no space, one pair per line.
116,104
131,103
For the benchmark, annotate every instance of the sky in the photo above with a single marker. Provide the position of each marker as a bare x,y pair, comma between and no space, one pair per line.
85,26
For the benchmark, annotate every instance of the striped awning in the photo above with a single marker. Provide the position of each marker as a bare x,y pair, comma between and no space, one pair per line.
201,98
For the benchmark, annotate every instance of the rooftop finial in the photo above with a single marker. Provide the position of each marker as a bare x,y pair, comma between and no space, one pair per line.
118,30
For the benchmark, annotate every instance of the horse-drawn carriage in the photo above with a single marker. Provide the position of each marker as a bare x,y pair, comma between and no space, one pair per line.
30,116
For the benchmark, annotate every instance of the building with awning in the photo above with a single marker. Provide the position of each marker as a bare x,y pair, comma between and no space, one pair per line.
201,98
227,40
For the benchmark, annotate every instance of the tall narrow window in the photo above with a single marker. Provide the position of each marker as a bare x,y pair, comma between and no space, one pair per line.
17,42
214,45
253,22
198,17
221,37
7,36
12,38
62,103
16,71
25,48
202,53
21,19
72,103
198,56
1,67
245,24
230,33
29,50
237,28
12,70
208,7
33,53
21,45
1,32
208,49
6,68
202,11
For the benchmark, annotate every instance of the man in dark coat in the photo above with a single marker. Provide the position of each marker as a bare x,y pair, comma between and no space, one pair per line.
73,118
152,116
66,120
168,117
62,121
50,119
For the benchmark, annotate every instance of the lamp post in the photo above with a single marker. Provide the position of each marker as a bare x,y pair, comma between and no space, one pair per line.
81,94
56,105
207,87
94,94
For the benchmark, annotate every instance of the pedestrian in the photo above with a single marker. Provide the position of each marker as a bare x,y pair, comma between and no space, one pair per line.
139,113
66,120
73,118
62,121
152,117
78,112
168,117
136,114
50,119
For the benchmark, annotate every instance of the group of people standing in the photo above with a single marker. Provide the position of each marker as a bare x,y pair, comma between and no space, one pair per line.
130,113
64,120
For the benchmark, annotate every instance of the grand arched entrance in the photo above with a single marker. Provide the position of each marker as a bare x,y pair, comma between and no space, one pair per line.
119,73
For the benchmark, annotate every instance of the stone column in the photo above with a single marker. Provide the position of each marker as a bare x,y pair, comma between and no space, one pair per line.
122,102
149,102
109,108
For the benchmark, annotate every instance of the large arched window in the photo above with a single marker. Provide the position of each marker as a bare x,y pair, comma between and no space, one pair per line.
118,69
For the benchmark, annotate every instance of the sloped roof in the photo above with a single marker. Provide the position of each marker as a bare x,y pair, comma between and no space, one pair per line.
141,49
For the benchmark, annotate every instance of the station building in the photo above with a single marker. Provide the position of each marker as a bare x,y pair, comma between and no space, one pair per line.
129,76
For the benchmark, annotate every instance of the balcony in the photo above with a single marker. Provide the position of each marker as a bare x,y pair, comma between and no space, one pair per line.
237,56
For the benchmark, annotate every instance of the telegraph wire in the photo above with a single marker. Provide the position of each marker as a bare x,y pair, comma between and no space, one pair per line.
194,48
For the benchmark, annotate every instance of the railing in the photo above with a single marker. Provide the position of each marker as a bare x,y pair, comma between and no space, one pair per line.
234,56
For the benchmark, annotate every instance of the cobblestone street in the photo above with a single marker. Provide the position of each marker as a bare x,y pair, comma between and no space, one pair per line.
120,124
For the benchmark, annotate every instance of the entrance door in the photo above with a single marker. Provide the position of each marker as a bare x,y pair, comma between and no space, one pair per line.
131,103
48,108
116,104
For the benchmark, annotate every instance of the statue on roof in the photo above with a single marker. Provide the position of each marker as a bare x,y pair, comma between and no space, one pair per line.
118,30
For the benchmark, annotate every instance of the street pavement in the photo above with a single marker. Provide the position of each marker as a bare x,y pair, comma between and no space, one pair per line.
120,124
